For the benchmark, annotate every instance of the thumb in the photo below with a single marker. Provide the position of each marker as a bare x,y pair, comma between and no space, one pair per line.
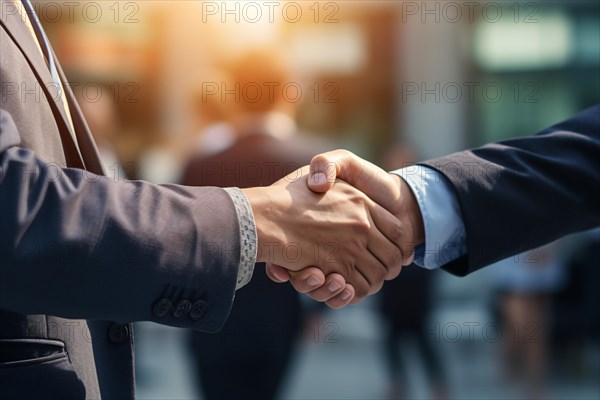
325,168
323,172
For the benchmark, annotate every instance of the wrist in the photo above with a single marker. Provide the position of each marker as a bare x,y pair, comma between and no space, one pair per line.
268,218
259,202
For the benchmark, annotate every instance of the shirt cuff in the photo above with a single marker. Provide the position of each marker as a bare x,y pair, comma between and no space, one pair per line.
445,235
248,237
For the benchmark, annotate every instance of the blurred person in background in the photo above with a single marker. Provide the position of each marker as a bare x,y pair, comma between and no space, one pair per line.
526,284
415,288
407,325
255,142
166,160
213,111
575,311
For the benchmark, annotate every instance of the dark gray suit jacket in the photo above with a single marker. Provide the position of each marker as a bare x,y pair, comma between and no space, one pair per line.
78,250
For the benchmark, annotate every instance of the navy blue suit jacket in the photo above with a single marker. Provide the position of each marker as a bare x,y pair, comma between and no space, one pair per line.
521,193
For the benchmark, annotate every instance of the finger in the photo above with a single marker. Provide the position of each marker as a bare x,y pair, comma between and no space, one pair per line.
366,275
372,270
380,260
342,299
277,273
307,280
395,248
389,253
334,285
377,184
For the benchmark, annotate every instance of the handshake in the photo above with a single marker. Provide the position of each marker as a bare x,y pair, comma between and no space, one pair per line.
337,229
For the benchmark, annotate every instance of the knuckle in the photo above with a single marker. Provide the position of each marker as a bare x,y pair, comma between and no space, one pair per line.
361,226
332,304
376,288
361,290
393,272
395,259
357,299
398,232
300,287
343,152
318,297
407,252
346,269
380,274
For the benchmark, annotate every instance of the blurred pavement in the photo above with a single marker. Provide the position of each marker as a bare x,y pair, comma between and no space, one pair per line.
340,357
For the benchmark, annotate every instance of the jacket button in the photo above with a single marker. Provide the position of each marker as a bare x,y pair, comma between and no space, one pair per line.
198,310
181,308
162,307
118,333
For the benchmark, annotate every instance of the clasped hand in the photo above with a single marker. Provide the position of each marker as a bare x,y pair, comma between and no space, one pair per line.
339,241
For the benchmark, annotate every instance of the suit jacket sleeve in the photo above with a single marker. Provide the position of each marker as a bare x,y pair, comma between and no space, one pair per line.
77,245
521,193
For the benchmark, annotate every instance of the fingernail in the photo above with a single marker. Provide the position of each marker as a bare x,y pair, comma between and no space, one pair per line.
345,295
313,281
319,178
334,286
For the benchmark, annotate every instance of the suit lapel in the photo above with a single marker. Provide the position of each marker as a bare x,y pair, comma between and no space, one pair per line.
82,131
17,30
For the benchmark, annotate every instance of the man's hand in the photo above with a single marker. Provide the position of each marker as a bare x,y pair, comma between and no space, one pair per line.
387,190
342,232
